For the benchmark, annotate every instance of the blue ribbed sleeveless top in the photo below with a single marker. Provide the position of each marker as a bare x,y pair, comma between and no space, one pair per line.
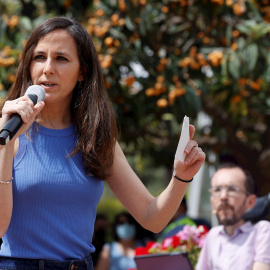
54,201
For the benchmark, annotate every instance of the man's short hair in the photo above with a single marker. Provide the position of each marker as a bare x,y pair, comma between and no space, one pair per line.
249,182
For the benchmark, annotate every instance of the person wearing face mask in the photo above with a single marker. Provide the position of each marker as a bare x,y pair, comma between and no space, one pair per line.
119,255
236,243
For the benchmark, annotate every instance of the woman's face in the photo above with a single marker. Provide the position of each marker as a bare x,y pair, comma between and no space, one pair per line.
55,66
125,230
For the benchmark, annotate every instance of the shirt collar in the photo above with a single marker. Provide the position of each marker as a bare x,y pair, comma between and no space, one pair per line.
245,228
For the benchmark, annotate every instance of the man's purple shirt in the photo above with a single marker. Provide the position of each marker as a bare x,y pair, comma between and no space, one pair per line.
249,244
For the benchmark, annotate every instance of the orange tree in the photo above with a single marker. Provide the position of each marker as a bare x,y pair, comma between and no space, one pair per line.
165,59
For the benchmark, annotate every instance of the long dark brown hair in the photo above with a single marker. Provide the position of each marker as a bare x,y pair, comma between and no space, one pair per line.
91,109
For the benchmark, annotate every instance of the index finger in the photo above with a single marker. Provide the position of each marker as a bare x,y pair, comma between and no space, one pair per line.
26,99
191,131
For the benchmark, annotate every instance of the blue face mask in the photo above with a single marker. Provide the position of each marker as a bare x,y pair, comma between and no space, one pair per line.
125,231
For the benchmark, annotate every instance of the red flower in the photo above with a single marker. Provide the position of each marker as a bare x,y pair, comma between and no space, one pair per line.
203,230
149,245
141,251
175,241
190,239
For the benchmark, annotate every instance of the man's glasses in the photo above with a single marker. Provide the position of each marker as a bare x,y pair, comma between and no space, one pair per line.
231,191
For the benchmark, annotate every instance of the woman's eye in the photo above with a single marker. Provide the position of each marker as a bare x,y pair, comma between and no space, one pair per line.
38,57
61,58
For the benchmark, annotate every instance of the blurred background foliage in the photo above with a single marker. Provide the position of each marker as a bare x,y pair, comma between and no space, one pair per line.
165,59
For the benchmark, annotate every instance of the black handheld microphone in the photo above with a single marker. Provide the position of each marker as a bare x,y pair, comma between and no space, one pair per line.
36,93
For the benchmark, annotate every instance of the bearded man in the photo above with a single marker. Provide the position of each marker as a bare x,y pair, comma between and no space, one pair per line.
235,243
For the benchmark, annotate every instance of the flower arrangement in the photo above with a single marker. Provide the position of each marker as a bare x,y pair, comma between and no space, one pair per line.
190,240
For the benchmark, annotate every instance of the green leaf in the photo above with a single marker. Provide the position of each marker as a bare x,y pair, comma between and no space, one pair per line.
174,29
142,28
265,29
242,43
253,29
244,29
268,102
3,29
234,66
267,72
255,10
39,19
229,34
167,117
138,44
147,21
243,108
252,55
26,23
116,33
224,67
129,24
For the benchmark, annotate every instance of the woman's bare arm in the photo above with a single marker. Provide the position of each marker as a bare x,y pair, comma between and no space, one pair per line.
28,113
151,212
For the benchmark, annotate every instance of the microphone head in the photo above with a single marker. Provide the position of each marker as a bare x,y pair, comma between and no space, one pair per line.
36,90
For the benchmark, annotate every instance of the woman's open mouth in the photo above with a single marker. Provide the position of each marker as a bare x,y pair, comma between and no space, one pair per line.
48,84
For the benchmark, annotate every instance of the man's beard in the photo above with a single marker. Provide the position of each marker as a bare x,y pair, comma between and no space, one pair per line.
227,220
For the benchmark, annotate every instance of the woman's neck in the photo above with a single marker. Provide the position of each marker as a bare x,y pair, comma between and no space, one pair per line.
55,117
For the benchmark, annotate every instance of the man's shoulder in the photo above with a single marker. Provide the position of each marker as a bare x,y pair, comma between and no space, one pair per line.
262,225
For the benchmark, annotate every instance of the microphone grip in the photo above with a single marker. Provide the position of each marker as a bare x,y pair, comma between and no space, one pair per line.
33,97
13,124
10,128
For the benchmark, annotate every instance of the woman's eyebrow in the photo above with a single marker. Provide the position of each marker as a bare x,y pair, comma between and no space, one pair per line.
62,53
42,52
58,53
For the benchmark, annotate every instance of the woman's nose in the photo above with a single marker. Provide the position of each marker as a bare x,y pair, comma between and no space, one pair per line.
48,67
